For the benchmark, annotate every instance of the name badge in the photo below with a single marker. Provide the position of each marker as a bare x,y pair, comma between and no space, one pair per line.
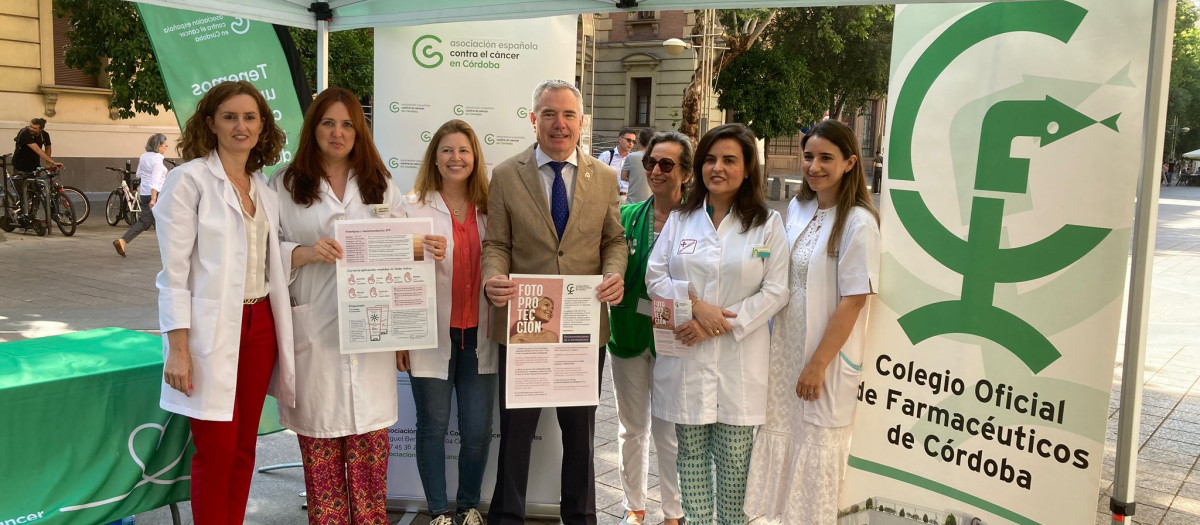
643,307
761,251
381,210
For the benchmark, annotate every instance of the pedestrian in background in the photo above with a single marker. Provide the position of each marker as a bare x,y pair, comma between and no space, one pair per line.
615,158
153,174
800,453
222,293
721,250
452,189
634,174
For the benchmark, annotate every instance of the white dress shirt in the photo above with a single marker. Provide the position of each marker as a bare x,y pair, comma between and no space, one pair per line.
336,395
726,380
568,175
256,246
152,172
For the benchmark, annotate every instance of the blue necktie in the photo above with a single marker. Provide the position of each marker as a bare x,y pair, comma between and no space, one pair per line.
558,199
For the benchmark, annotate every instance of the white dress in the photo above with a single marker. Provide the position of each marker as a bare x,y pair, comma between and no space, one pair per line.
796,466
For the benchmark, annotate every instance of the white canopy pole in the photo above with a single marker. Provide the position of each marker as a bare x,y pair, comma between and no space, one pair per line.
322,55
1122,503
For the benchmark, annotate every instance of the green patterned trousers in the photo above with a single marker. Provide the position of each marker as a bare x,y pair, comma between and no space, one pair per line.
701,448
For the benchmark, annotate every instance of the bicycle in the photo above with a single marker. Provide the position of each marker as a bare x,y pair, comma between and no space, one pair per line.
29,206
79,201
57,203
123,202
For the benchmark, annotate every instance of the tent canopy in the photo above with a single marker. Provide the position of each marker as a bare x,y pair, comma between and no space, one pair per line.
1192,155
353,14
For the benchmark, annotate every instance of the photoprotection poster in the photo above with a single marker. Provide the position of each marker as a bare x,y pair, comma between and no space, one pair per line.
197,51
553,337
480,72
387,294
1014,152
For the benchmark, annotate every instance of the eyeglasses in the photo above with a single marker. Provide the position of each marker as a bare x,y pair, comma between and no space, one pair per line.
626,139
664,165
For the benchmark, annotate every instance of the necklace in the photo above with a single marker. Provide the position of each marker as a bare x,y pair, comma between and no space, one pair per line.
457,211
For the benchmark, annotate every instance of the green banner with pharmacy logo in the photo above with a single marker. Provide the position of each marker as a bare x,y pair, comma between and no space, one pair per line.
197,51
1013,154
82,439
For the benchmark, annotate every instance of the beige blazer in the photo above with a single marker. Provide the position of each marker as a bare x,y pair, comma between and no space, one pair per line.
518,209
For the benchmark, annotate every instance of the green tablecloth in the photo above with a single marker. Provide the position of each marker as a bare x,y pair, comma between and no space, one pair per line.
82,439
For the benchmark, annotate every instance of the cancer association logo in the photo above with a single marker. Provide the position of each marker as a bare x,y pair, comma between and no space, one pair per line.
979,258
522,112
394,107
240,26
393,162
426,136
458,109
489,139
424,53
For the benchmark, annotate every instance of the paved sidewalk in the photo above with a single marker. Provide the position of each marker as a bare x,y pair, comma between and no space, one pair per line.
54,285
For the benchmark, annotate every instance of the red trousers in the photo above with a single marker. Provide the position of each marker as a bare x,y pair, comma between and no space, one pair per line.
346,478
224,460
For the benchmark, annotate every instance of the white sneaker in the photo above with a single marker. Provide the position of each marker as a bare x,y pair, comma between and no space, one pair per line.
470,517
444,519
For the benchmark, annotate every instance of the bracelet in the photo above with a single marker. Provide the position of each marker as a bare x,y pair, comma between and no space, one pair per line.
694,301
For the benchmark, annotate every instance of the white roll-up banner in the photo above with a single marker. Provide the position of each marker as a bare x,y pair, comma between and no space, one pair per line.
482,73
1014,152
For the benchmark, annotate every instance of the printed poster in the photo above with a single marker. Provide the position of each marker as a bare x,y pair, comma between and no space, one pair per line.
985,390
666,316
553,340
386,286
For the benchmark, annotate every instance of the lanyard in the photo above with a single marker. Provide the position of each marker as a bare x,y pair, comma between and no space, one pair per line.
647,209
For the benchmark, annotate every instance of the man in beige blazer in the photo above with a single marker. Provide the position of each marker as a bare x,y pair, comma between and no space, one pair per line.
551,210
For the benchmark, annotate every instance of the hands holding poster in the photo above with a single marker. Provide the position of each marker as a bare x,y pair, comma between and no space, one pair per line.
666,316
386,287
553,337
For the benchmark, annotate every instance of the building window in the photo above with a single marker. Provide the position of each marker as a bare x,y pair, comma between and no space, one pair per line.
639,96
64,75
647,15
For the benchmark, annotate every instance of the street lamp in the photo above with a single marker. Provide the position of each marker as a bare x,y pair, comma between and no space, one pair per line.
707,46
1175,135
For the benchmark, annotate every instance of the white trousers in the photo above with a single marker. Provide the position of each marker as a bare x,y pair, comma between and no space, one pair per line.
632,381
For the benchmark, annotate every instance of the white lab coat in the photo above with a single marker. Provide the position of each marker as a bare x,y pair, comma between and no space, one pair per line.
202,238
854,272
336,395
436,362
726,381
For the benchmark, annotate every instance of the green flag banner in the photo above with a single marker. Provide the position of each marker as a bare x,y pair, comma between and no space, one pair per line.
82,439
197,51
1014,151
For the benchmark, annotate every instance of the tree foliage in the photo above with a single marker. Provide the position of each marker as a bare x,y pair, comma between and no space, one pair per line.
1183,98
351,58
113,29
847,51
738,30
764,88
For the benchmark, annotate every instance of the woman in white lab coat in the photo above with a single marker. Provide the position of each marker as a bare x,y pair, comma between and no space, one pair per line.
800,453
722,251
452,189
223,298
344,403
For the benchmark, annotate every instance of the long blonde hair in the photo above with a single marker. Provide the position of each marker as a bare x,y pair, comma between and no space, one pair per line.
852,191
